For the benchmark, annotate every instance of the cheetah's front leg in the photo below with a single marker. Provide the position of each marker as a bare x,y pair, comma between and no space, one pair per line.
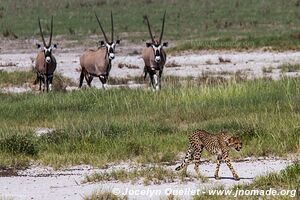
228,163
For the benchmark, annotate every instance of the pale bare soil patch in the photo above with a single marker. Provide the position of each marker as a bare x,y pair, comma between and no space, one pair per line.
249,65
39,182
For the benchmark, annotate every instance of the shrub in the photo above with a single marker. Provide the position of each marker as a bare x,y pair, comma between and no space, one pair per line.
20,144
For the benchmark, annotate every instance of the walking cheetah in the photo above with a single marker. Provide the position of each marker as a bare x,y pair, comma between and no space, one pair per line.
218,144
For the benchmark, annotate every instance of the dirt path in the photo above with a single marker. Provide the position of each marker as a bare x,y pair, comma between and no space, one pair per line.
250,64
47,184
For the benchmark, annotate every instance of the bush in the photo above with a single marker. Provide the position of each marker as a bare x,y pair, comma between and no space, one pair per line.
20,144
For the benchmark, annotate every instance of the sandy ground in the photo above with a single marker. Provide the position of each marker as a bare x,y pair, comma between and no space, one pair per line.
249,64
47,184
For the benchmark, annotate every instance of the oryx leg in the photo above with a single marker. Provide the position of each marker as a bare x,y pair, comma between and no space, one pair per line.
145,72
40,82
47,83
155,81
89,80
36,80
159,78
50,79
81,79
103,80
44,82
151,80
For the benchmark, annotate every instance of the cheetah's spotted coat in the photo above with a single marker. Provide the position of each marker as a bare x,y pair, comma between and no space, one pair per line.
216,144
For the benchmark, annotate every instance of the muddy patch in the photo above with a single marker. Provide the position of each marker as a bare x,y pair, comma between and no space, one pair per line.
8,172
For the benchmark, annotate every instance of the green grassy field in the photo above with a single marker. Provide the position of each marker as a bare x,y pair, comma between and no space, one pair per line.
96,127
192,24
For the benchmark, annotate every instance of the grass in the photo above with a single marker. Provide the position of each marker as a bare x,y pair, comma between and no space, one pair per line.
289,67
104,195
273,42
26,79
16,78
193,24
267,69
287,179
150,175
96,127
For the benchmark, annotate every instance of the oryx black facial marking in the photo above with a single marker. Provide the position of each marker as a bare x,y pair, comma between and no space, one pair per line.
110,48
48,53
156,49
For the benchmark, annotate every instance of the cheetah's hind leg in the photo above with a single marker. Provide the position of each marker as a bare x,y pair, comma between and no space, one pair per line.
188,158
217,177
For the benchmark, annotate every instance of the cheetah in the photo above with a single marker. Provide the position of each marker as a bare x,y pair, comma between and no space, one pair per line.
218,144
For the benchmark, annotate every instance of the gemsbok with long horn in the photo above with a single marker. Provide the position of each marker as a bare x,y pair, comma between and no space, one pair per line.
45,63
97,63
154,56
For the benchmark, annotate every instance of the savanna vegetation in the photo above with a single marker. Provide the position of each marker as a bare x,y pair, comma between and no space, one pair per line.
27,78
98,127
192,24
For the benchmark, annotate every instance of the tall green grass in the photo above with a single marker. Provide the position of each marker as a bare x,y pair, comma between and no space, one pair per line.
96,127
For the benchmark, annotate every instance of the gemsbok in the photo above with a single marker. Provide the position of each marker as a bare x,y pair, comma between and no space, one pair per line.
97,63
45,63
154,56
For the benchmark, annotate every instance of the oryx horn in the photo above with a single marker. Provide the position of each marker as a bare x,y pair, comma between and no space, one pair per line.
112,26
50,40
162,27
41,31
149,28
101,28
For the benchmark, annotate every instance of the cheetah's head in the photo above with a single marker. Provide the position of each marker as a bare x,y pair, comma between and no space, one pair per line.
235,142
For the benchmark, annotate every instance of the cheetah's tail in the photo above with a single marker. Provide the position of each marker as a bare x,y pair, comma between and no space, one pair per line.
178,168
